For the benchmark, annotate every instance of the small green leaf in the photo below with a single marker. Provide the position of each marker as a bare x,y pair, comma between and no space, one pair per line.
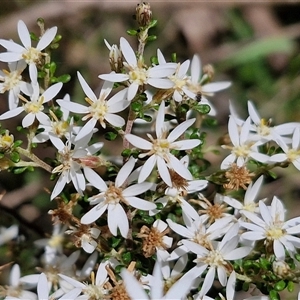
202,108
151,38
126,152
173,57
18,143
280,286
57,38
1,155
132,32
19,170
147,219
34,37
110,136
52,68
64,78
154,60
290,286
136,106
15,157
115,242
152,23
126,257
54,46
159,206
274,295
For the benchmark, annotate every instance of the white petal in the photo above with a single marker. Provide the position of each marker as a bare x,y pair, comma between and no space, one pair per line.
14,276
93,214
47,38
12,47
117,218
115,120
133,287
253,113
179,229
159,126
56,141
74,107
185,144
93,177
124,172
179,168
12,113
10,56
86,130
147,168
60,184
87,90
180,129
24,36
52,91
137,141
28,120
42,287
163,171
183,68
140,203
160,83
215,86
279,250
128,52
208,281
195,68
132,90
113,77
137,189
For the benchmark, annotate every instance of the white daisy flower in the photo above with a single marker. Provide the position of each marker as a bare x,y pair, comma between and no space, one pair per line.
71,167
250,202
197,84
198,232
16,289
291,152
95,290
159,149
135,290
138,74
112,195
216,259
264,132
34,108
58,127
272,228
31,55
100,109
243,147
12,82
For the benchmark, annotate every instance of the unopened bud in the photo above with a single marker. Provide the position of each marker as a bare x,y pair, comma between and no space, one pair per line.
281,268
209,72
143,14
92,161
115,57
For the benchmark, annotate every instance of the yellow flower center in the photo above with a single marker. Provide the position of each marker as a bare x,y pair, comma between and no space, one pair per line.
11,80
32,55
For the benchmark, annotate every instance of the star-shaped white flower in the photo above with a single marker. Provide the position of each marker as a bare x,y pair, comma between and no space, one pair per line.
71,167
216,259
99,108
34,108
159,149
11,82
243,147
272,228
138,74
111,197
31,55
291,152
135,290
263,130
198,84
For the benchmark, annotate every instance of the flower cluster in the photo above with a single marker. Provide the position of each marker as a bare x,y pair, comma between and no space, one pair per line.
146,220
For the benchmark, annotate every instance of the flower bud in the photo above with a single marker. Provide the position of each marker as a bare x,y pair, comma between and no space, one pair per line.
281,269
92,161
143,14
115,57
